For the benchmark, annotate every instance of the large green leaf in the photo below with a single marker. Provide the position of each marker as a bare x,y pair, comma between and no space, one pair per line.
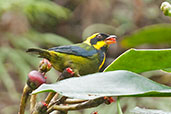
154,34
114,83
142,60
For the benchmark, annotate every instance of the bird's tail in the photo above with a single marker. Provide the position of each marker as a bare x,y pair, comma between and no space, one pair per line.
43,53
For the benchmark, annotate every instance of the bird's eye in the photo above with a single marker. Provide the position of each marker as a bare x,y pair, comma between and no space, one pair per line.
99,36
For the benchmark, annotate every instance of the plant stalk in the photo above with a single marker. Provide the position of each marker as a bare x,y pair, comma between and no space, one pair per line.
26,91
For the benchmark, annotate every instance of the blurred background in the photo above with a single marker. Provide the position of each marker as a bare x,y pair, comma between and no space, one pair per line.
47,23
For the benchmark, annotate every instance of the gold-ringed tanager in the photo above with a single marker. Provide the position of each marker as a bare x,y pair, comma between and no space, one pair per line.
83,58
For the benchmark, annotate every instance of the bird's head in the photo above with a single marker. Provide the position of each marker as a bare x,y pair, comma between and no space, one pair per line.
100,40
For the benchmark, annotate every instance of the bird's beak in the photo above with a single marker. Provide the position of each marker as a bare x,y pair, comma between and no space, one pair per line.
111,39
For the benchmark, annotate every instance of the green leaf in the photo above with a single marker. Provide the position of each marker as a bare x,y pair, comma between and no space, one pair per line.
45,9
47,38
154,34
20,42
40,11
114,83
142,60
5,77
20,64
29,58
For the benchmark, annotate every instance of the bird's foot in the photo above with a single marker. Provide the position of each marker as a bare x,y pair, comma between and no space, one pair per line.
73,72
67,73
70,71
109,100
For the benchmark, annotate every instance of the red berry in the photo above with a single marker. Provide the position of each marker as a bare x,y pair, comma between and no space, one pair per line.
35,79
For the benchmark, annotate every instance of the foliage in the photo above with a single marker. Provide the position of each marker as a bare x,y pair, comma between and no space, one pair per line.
15,39
114,83
19,59
117,83
38,12
145,59
154,34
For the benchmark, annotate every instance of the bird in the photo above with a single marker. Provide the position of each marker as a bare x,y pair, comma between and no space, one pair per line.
83,58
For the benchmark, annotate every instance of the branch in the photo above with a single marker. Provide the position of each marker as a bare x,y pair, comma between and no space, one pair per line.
59,101
86,104
67,73
74,101
32,102
26,91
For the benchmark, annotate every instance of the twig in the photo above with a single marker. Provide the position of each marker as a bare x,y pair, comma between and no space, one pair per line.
49,97
86,104
74,101
65,74
40,108
60,101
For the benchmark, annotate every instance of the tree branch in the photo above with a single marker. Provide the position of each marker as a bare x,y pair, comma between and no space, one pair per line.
86,104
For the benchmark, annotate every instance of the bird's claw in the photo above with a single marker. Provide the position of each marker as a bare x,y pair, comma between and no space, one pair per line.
70,71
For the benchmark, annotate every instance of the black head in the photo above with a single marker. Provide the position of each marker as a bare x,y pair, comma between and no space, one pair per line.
101,40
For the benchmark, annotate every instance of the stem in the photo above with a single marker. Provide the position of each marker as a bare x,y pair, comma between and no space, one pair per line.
74,101
32,102
49,97
86,104
26,91
64,75
119,106
60,101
